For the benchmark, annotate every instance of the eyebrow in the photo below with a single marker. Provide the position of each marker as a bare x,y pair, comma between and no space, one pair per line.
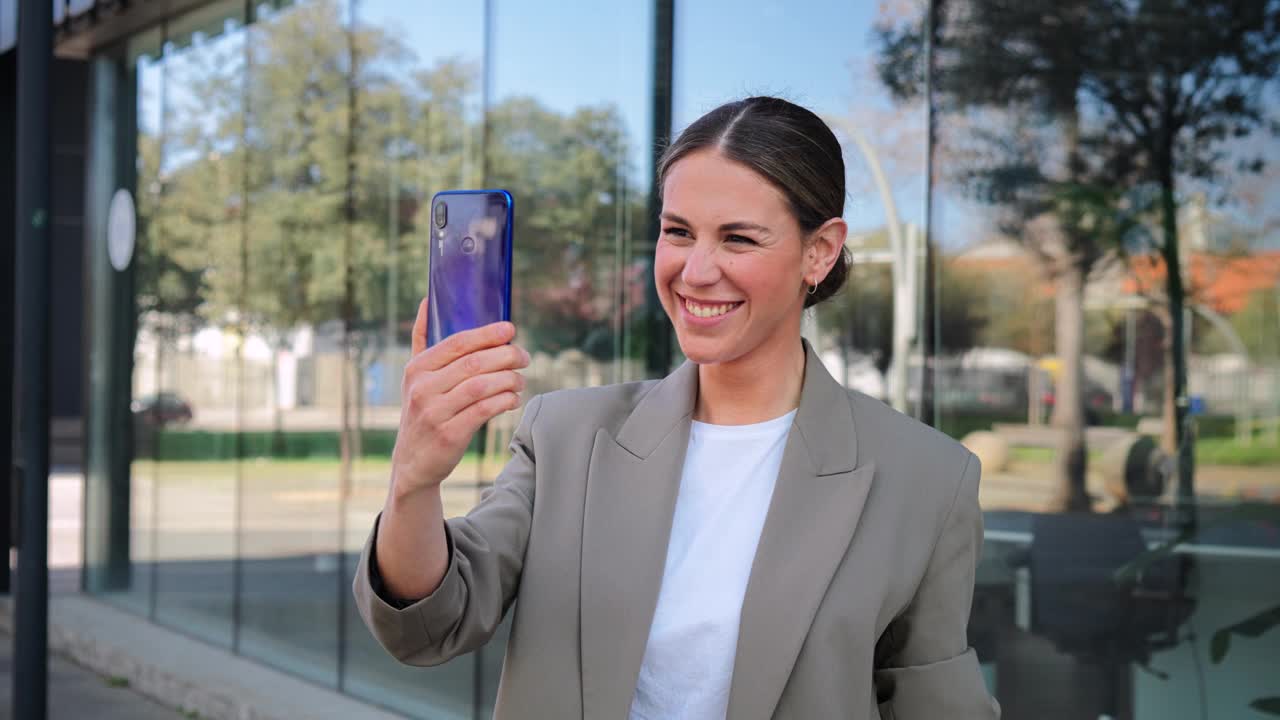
726,227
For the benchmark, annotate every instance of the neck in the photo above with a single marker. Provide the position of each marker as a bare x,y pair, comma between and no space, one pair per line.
759,386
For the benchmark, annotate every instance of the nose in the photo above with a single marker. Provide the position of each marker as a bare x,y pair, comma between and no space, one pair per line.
701,268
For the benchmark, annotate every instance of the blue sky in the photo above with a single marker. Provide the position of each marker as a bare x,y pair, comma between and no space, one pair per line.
576,53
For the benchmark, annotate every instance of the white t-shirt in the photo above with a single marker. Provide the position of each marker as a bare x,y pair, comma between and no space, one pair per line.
728,479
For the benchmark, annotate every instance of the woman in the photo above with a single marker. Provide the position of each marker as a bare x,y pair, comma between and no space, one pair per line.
744,537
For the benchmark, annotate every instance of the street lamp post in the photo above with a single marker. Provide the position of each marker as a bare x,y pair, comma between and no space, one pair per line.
31,626
904,270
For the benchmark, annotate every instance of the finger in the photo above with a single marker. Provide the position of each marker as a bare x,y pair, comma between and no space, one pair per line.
467,342
477,414
490,360
477,389
419,340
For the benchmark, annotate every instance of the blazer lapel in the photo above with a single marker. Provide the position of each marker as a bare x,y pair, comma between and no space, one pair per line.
632,484
811,519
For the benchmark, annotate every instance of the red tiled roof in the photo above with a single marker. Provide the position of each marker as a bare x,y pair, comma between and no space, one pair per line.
1224,283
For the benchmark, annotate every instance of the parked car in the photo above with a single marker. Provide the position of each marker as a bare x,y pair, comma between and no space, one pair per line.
164,408
1097,400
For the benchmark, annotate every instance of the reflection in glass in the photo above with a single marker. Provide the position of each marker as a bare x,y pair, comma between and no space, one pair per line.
299,80
1097,246
149,409
577,156
416,130
865,334
1043,299
197,232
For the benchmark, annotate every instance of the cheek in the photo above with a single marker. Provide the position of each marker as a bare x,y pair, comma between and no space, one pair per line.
667,263
759,277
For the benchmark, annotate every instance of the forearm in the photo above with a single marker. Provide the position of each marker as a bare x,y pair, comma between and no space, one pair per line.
411,550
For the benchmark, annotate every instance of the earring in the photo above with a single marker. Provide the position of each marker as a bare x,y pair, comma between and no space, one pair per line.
813,288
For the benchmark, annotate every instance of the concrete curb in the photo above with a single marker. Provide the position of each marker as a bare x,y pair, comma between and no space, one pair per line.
183,673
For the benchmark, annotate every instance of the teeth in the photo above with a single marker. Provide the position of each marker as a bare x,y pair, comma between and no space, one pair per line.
705,311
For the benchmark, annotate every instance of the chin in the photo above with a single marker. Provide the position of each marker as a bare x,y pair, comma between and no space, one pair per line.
705,351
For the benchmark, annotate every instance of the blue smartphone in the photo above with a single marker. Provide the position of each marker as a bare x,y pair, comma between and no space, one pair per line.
469,280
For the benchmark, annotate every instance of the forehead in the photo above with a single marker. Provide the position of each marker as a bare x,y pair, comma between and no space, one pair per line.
707,186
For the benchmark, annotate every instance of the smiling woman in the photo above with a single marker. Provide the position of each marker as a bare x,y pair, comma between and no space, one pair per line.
657,574
746,531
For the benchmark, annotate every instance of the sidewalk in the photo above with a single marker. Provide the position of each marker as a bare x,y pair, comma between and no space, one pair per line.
76,693
207,682
109,664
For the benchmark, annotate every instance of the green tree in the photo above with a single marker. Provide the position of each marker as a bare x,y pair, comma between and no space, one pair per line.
1019,315
1144,95
861,314
300,160
578,211
170,280
1018,58
1258,324
1207,68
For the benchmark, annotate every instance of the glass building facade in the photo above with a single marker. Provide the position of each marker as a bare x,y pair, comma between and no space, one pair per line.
1066,244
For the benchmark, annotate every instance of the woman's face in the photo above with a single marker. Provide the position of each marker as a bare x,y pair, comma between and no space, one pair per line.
732,263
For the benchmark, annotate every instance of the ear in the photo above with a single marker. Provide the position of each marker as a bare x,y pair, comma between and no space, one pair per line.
824,248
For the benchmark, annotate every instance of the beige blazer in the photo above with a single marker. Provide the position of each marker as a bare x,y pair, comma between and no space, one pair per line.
858,597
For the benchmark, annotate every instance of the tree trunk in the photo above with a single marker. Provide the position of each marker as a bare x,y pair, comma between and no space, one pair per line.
277,412
1068,410
1072,460
1169,424
345,445
361,368
1175,391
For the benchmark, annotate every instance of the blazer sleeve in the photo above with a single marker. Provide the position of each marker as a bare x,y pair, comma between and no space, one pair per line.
925,667
486,554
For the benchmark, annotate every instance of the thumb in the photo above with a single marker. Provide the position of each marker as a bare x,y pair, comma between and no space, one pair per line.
419,342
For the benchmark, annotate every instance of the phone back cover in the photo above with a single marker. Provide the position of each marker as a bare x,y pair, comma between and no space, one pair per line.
470,271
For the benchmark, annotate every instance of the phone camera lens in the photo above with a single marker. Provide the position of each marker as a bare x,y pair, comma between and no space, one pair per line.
468,245
442,214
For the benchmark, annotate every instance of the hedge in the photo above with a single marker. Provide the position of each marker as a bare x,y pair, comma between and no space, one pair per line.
173,444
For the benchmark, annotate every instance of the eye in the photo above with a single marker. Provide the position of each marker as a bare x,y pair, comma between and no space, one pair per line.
740,239
675,232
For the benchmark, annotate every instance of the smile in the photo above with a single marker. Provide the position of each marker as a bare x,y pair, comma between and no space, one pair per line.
708,310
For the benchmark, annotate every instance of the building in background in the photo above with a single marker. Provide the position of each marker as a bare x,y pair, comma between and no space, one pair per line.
230,383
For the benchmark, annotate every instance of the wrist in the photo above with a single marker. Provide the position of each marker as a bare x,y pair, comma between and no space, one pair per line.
406,493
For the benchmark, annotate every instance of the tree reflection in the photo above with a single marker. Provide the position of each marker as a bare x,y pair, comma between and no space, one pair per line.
1103,111
292,188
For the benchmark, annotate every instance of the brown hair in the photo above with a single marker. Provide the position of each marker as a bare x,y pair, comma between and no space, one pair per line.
787,145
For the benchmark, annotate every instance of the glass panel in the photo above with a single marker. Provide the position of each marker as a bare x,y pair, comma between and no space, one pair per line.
860,332
197,359
143,57
281,255
299,77
569,133
577,156
1102,239
418,131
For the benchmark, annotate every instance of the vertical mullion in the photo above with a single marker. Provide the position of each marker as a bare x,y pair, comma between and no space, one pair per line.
237,561
346,443
486,103
931,322
163,141
658,362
